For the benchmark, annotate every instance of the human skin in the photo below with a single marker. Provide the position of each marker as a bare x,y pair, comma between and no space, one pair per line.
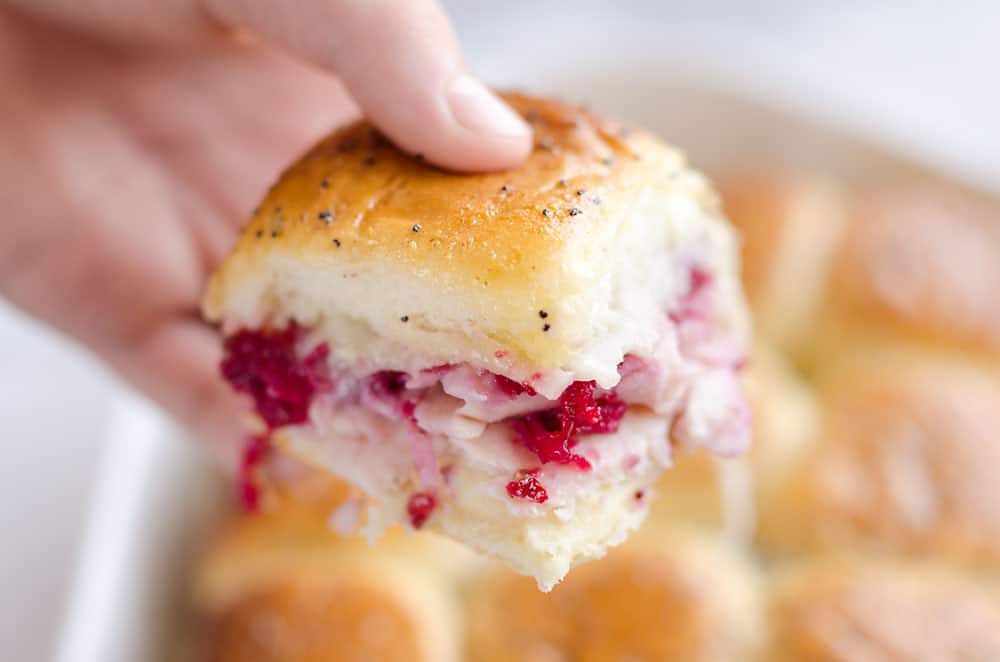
137,135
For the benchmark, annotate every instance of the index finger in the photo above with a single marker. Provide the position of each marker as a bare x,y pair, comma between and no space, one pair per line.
399,59
402,64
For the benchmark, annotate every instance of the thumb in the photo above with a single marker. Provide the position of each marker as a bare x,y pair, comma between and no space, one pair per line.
401,62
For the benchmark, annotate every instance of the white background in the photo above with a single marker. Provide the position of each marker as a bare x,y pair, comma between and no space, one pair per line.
926,72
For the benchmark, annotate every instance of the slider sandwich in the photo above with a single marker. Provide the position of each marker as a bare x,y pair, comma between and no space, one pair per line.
508,359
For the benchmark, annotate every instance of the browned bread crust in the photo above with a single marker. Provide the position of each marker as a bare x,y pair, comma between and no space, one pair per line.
850,611
506,245
678,597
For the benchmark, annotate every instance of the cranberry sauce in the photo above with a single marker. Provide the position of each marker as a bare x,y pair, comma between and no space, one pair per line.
388,388
526,486
388,383
419,508
266,365
550,434
270,366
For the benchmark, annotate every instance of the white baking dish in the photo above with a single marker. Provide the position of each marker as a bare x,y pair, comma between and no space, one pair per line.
156,492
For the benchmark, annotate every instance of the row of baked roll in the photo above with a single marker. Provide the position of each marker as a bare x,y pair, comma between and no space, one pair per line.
284,587
889,313
828,270
692,598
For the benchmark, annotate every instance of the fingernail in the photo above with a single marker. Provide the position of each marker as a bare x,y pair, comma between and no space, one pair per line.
479,110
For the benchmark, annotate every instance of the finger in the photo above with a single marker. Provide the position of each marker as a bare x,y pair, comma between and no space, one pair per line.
129,21
401,62
399,59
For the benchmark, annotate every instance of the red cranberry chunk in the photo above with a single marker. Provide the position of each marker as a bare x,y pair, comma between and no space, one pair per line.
389,388
527,486
419,508
550,433
535,432
265,365
388,382
590,415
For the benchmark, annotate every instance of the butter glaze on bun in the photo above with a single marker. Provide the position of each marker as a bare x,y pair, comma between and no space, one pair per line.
471,261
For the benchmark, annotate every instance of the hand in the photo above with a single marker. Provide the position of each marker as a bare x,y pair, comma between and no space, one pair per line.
138,134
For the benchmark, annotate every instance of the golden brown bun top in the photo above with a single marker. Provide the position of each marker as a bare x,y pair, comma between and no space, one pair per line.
293,533
280,585
907,459
924,264
319,617
679,597
845,611
904,262
357,197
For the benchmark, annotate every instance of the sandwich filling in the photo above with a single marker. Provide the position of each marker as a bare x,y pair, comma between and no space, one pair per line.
414,439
